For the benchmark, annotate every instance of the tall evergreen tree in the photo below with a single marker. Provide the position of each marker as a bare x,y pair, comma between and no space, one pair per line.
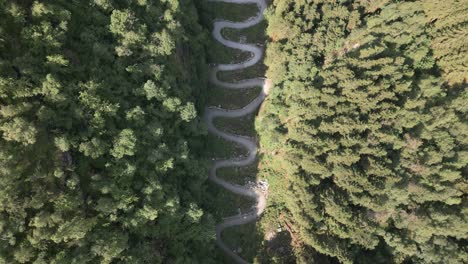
97,121
370,141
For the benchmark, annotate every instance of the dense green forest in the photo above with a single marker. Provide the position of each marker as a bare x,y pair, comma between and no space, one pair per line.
364,136
99,132
103,157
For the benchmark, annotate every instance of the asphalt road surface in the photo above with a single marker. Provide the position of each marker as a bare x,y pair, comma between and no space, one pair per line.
213,112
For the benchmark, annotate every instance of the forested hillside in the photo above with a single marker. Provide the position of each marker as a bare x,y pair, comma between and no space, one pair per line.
365,133
97,123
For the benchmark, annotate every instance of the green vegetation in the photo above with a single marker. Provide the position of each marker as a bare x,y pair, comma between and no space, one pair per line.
245,240
99,133
218,148
239,175
449,37
212,10
239,126
231,99
103,155
365,133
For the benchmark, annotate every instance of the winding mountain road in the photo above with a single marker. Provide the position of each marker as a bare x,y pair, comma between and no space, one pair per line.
212,113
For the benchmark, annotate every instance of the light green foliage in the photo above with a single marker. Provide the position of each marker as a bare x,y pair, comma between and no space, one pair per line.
124,144
110,246
19,130
188,112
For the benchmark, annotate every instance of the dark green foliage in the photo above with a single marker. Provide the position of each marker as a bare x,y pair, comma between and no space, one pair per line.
370,140
97,118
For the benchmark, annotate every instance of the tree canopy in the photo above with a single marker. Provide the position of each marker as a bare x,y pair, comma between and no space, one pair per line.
363,137
97,120
367,129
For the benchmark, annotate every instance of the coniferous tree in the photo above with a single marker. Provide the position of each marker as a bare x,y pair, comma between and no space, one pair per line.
97,121
369,139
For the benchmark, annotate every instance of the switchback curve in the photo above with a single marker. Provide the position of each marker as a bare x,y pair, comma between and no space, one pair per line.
213,112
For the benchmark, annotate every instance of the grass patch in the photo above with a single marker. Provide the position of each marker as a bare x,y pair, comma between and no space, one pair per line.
231,99
240,126
219,198
255,34
258,70
245,238
220,54
239,175
218,148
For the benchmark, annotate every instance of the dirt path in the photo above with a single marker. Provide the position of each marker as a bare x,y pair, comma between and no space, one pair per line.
212,112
